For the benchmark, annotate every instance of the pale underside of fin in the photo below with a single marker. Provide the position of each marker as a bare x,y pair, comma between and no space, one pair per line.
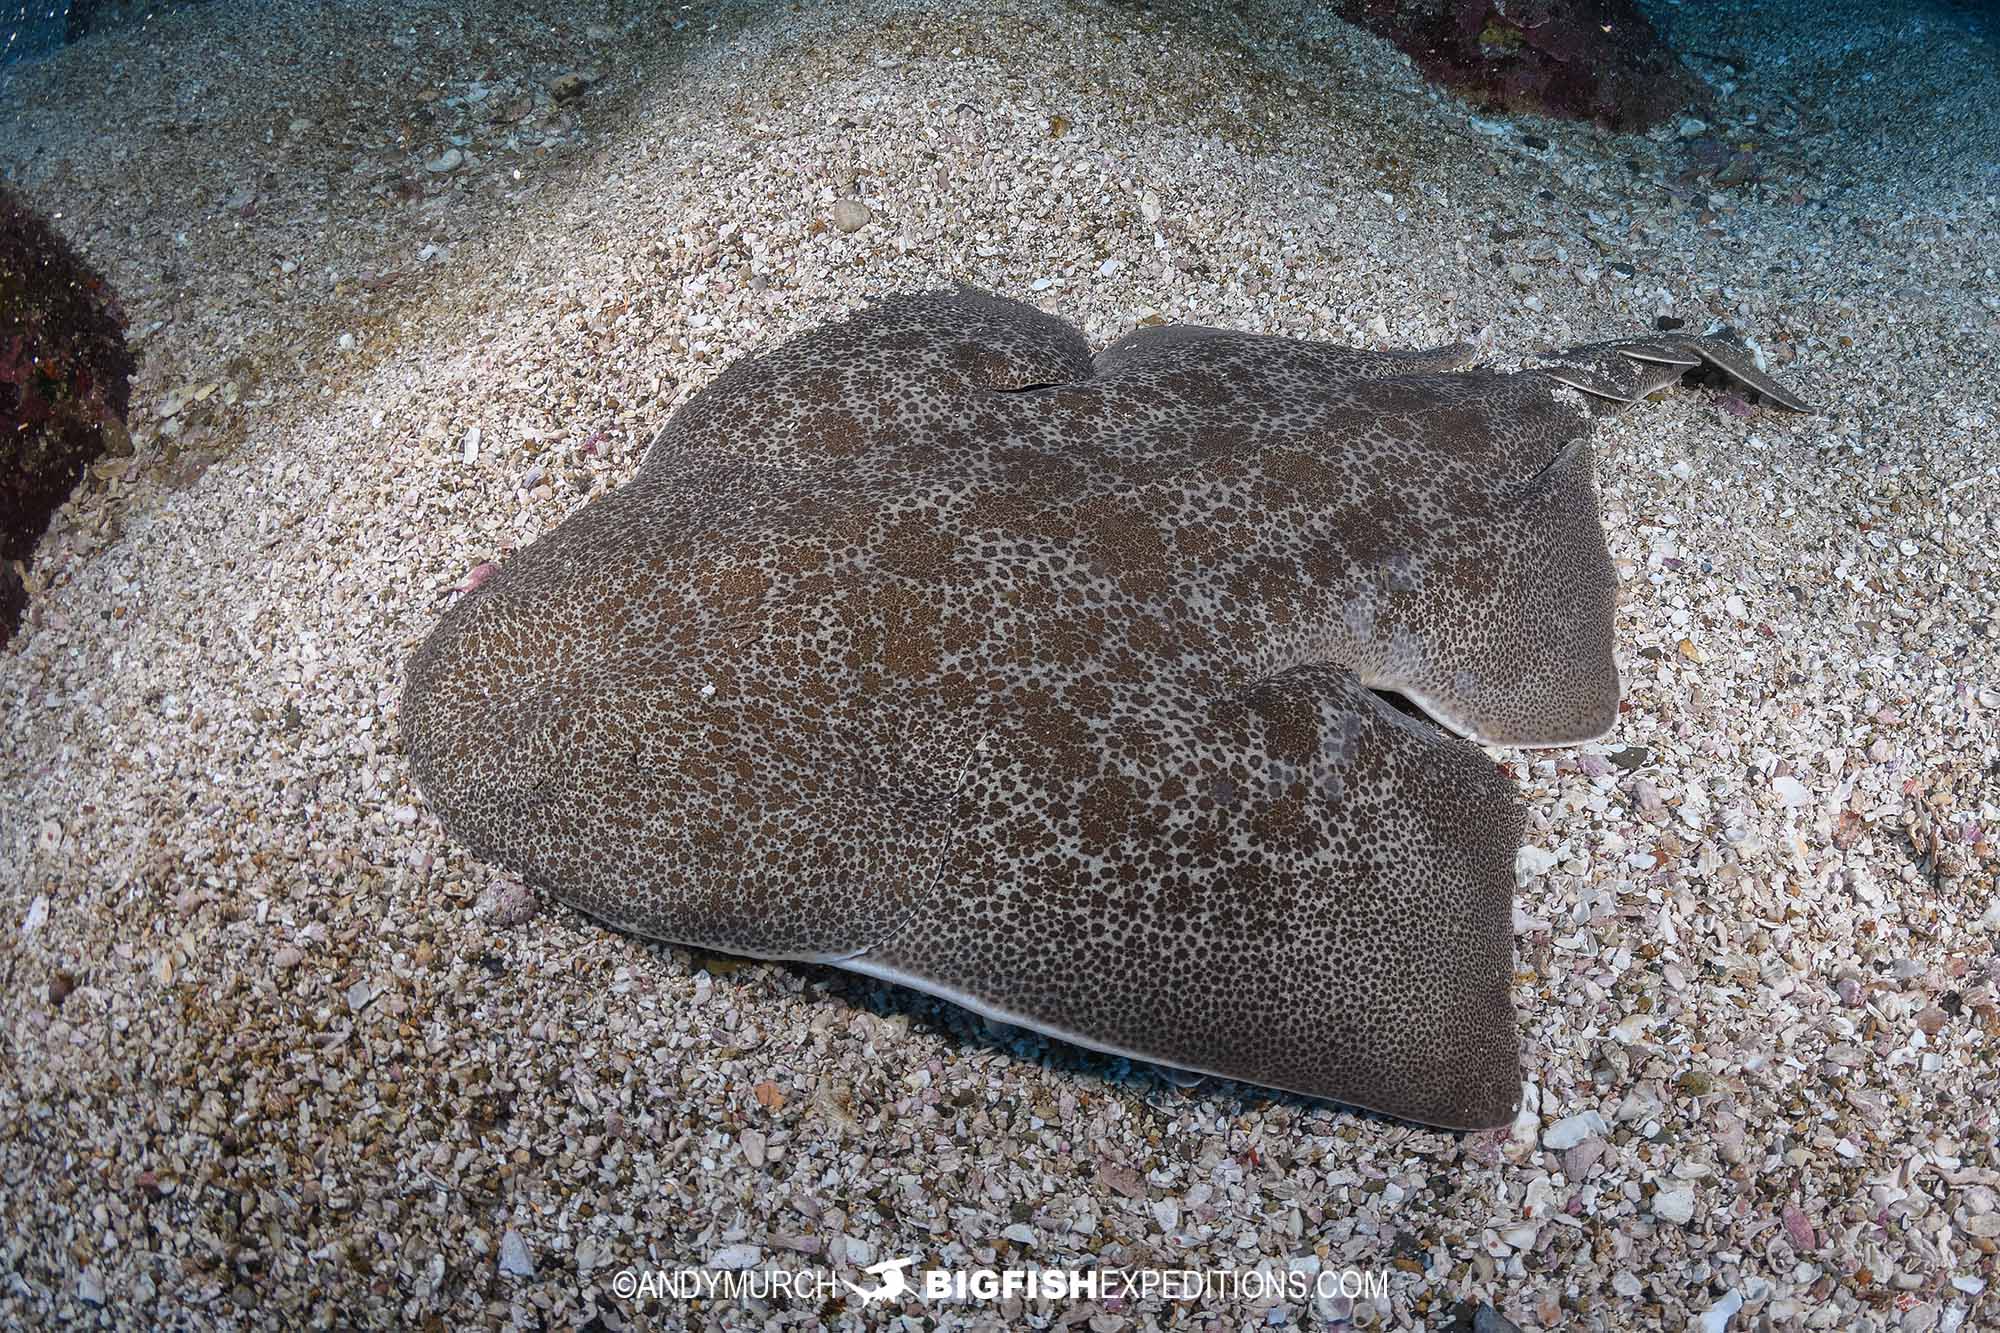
1180,1076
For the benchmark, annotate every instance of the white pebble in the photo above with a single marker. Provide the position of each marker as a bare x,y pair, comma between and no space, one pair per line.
1717,1316
1674,1205
515,1261
506,902
1532,861
851,215
1573,1129
591,1253
736,1257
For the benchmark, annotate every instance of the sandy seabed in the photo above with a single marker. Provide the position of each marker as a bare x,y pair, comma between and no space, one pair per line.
265,1061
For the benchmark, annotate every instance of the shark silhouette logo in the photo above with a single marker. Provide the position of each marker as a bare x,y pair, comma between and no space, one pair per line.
891,1286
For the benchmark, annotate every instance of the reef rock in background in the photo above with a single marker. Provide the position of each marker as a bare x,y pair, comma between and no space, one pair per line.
64,390
1579,59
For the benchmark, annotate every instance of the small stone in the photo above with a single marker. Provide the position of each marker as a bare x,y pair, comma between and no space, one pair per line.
287,958
1578,1160
736,1257
752,1143
1716,1317
90,1287
1020,1233
1629,758
1790,790
1647,796
851,215
1923,1317
1932,1020
468,449
1799,1229
1696,1083
1122,1179
360,995
1486,1319
1675,1205
1531,861
449,160
515,1261
1984,1225
1571,1130
506,902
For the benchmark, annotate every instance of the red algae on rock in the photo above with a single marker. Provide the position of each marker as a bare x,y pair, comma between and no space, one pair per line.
64,384
1598,60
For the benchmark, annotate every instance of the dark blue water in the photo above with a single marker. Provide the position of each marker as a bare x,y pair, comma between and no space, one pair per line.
30,28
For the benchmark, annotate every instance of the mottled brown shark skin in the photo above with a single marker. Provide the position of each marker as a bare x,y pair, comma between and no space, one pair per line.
929,646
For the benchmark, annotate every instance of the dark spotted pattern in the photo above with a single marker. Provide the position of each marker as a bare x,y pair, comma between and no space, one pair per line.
928,645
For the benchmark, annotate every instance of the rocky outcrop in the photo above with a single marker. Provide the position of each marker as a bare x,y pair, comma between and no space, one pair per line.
1597,60
64,385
